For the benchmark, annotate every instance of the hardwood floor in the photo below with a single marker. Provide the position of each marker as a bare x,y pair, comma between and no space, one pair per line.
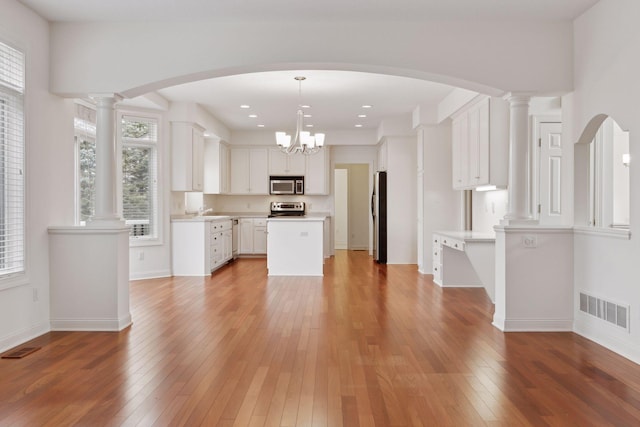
365,345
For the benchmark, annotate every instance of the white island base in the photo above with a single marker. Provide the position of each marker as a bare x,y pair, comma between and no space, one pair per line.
295,246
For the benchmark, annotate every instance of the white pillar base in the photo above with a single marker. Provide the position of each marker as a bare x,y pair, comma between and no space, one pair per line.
89,278
533,278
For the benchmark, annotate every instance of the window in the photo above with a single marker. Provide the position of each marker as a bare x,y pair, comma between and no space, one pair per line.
85,139
139,137
12,215
139,141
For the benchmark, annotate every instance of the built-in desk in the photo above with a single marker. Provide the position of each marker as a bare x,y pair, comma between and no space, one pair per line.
464,259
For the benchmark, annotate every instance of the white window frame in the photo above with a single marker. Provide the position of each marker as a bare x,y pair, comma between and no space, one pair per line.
17,94
136,241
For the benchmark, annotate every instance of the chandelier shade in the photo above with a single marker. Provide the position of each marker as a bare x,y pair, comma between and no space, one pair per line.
302,141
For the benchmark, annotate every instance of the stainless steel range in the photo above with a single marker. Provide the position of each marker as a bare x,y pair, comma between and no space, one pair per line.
287,209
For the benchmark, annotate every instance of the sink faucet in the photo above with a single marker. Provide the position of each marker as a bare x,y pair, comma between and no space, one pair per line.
202,211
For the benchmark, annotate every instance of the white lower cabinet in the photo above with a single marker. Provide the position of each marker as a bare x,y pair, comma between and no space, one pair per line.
253,236
198,247
220,243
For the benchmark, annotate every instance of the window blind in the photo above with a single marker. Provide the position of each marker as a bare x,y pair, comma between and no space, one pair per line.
12,214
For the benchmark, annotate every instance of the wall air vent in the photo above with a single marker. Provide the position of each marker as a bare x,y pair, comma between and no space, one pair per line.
609,311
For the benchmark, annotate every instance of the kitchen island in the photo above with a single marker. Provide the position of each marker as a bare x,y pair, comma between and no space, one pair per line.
295,246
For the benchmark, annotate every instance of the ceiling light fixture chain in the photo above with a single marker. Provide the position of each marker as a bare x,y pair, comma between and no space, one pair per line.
303,142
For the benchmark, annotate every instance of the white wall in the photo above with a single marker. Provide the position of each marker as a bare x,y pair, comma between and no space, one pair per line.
489,207
401,200
253,204
606,67
49,175
492,54
442,206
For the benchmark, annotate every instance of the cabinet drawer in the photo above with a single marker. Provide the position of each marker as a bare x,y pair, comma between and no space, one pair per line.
260,222
453,243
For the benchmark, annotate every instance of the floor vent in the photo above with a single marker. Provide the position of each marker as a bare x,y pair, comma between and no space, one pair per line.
19,354
605,310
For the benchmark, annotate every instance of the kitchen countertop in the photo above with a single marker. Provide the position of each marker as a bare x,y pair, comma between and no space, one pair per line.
310,217
199,218
218,216
468,236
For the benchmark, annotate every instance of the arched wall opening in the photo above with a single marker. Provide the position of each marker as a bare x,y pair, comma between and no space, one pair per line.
601,172
365,68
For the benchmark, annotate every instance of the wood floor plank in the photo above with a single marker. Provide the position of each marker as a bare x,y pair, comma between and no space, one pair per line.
365,345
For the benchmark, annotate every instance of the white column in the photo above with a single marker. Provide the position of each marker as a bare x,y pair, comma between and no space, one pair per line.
518,207
106,155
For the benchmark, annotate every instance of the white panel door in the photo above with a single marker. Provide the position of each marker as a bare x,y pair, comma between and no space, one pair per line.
341,192
550,176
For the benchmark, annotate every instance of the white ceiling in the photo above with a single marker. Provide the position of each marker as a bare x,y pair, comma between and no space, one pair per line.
336,97
282,10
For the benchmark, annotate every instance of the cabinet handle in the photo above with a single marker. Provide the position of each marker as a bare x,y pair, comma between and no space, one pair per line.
456,245
435,253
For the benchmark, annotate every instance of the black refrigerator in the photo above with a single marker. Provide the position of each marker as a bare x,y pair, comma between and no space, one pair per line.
379,214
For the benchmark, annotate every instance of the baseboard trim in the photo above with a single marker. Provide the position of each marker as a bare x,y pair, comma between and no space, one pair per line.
150,275
23,336
533,325
620,347
91,325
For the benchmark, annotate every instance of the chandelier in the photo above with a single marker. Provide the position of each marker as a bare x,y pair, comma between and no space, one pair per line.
303,142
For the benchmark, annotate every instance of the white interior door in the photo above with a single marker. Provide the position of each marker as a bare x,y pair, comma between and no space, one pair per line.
550,207
341,191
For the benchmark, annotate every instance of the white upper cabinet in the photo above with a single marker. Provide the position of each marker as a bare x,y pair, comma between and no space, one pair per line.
249,171
216,167
187,149
480,144
316,178
285,164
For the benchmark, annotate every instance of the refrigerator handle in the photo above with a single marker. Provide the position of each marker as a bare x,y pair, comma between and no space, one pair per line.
373,214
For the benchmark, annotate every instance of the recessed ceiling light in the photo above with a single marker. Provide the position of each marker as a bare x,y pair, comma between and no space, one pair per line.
305,106
307,115
362,116
366,106
358,125
309,126
253,116
245,106
260,126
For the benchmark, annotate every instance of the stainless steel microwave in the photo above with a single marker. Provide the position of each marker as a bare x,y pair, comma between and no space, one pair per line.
286,185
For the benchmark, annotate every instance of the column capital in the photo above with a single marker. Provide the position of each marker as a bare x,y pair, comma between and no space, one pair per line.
106,98
518,98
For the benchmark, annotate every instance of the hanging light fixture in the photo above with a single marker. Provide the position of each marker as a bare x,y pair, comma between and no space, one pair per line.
303,142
